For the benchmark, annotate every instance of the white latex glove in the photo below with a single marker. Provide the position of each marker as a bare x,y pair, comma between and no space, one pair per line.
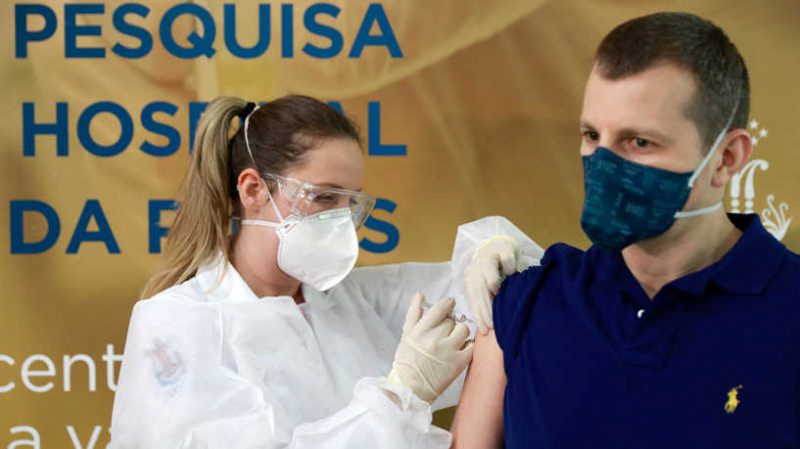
433,350
492,262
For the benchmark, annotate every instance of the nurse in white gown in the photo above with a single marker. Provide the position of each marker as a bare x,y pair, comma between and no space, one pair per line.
265,338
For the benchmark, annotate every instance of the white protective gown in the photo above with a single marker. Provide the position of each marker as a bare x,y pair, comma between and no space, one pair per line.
207,364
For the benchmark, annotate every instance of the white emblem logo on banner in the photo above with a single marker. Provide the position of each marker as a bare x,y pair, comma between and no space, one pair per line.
774,218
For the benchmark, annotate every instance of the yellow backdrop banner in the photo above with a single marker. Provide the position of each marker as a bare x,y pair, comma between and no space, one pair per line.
468,108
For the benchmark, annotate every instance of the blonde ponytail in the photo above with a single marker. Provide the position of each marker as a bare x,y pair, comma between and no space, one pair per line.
202,224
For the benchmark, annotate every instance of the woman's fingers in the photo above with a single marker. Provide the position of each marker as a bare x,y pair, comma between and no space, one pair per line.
437,313
414,311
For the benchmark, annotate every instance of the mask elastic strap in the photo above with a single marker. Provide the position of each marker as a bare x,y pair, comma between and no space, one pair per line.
268,224
702,166
264,223
710,154
714,148
274,207
713,207
253,159
246,138
697,212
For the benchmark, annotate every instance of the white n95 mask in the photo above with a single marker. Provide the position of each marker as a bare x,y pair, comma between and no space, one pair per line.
319,250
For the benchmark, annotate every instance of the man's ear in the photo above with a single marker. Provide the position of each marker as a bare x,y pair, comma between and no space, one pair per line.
251,190
737,149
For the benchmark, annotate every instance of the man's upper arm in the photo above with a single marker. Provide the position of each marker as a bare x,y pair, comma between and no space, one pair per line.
479,419
478,422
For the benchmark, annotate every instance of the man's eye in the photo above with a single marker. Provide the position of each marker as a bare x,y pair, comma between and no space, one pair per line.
641,143
591,136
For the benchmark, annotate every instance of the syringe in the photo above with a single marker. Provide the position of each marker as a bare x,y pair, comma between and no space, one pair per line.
458,318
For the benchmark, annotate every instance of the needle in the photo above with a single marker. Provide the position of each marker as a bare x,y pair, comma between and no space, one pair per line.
458,318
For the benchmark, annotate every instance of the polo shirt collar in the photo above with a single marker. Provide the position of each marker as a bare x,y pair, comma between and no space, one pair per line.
746,268
753,261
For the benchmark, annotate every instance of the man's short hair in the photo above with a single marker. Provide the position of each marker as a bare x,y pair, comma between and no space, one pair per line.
694,44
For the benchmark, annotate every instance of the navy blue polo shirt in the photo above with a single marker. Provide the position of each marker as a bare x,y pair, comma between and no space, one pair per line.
713,361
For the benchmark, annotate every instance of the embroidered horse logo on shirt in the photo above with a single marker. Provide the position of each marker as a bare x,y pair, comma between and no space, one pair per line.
733,400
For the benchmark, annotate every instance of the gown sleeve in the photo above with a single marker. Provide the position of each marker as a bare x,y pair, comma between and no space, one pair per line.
175,393
389,288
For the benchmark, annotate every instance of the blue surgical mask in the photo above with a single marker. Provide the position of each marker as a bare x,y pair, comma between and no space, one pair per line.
628,202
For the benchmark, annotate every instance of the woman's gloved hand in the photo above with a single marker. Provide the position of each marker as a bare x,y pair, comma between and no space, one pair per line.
492,262
433,349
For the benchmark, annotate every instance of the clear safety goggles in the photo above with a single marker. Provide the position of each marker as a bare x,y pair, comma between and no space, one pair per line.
307,199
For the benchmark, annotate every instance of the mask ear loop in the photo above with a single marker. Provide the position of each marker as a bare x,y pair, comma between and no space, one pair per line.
253,160
698,212
711,152
717,142
702,166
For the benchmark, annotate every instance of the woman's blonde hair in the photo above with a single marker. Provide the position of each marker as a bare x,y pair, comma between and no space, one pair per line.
279,132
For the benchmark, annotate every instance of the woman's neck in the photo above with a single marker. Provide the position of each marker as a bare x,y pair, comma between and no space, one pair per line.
258,267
